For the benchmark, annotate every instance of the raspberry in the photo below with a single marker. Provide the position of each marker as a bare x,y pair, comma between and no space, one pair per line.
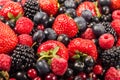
97,69
116,26
106,41
118,42
24,25
5,62
88,34
112,74
116,14
25,39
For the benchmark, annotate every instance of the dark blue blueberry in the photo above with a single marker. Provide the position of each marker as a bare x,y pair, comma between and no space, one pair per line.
98,29
89,61
104,2
87,15
50,34
21,76
64,39
42,67
50,21
69,4
61,1
68,73
105,10
81,23
38,36
71,12
62,9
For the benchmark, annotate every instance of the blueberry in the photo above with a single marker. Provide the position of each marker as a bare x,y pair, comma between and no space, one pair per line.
62,9
105,10
68,73
79,66
89,61
70,4
10,23
64,39
95,19
71,12
42,67
61,1
50,21
38,36
87,15
104,2
21,76
50,34
81,23
98,29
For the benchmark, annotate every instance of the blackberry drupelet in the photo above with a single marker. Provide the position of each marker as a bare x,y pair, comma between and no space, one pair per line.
110,57
109,29
23,58
31,7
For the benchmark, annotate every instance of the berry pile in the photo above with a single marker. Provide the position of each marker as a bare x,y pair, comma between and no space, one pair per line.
59,40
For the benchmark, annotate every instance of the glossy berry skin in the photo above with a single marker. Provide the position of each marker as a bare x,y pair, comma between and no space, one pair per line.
77,78
86,14
71,12
106,41
38,36
105,10
50,34
69,4
81,23
51,76
42,67
104,2
32,73
37,78
21,76
98,29
70,28
68,73
83,76
98,69
89,61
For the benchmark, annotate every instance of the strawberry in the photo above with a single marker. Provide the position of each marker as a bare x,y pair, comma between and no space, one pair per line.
11,9
59,66
87,5
115,4
88,34
5,62
25,39
49,6
82,45
51,45
24,25
8,39
112,74
3,2
64,24
116,14
116,26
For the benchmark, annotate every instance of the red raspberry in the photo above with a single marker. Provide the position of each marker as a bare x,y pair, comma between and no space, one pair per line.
116,26
32,73
116,14
25,39
5,62
12,79
3,2
24,25
118,42
106,41
112,74
88,34
98,69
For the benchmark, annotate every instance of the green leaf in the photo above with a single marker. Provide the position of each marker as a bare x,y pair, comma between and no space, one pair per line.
97,9
49,61
77,56
4,75
55,50
10,15
19,15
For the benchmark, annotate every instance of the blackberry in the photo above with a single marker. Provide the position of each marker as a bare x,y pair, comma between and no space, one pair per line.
23,58
110,57
109,29
31,7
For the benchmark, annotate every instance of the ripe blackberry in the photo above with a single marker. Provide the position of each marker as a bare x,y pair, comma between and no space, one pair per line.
109,29
111,57
23,58
30,8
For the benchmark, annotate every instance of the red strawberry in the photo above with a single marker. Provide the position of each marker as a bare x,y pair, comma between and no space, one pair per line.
116,26
5,62
51,44
49,6
115,4
3,2
64,24
59,66
84,46
24,25
8,39
86,6
25,39
11,7
112,74
88,34
116,14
